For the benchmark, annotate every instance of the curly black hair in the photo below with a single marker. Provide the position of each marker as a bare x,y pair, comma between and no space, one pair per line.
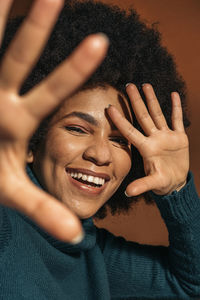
135,55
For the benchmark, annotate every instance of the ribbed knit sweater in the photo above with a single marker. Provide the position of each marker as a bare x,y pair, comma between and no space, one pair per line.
35,266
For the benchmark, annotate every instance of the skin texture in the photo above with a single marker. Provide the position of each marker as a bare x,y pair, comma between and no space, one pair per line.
75,143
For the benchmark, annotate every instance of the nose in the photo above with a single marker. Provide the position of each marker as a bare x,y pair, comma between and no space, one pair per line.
99,152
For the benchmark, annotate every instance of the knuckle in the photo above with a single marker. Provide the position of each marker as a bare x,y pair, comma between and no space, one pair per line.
77,68
130,132
158,113
144,116
138,98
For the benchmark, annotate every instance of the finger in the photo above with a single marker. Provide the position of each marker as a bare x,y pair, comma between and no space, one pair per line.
177,113
140,110
28,43
126,128
141,186
4,10
154,107
51,215
67,77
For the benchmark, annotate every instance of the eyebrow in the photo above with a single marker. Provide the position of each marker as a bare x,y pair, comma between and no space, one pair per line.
84,116
88,118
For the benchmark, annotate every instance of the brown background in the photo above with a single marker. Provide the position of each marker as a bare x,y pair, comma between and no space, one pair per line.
179,23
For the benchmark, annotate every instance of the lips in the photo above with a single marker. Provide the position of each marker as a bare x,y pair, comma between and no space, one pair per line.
87,180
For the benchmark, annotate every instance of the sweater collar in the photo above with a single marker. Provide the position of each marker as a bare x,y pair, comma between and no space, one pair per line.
89,228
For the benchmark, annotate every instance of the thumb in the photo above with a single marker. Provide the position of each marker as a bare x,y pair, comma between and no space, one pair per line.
141,185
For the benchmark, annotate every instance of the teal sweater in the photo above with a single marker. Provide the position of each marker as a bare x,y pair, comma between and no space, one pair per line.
35,266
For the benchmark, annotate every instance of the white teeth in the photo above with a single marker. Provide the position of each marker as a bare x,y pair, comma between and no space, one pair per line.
79,175
102,181
89,178
96,180
84,177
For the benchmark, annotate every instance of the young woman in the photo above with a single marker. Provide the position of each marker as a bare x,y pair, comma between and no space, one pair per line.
106,138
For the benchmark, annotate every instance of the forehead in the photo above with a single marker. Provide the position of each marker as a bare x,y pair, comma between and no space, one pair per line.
94,101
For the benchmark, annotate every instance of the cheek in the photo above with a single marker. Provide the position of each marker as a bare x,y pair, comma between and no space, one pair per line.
62,148
122,163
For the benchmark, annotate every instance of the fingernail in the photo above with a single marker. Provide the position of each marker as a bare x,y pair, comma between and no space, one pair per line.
126,194
128,84
78,238
146,84
109,105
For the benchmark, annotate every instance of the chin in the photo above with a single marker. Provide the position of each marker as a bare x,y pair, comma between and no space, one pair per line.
84,214
82,209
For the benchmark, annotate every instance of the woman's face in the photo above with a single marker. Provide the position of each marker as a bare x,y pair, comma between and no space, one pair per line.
84,158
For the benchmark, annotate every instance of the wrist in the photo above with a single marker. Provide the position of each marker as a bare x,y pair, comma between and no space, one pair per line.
169,191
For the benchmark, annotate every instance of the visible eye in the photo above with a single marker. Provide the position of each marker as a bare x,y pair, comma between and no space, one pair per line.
120,141
75,129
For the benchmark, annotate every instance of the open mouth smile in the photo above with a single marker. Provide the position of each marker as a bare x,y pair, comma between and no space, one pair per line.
88,180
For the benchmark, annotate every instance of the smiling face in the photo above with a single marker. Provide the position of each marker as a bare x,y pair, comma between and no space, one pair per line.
84,158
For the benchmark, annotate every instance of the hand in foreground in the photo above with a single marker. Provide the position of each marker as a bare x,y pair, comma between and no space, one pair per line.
20,116
165,152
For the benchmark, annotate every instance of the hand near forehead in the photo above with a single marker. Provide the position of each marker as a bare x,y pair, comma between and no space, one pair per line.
21,115
165,151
